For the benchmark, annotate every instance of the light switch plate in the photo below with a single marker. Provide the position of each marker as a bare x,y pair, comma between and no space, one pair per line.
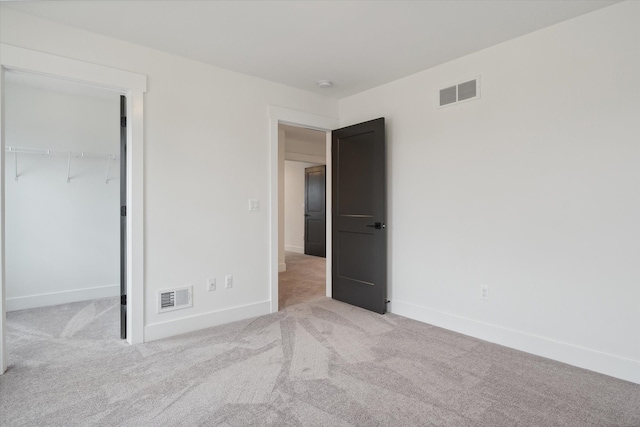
254,205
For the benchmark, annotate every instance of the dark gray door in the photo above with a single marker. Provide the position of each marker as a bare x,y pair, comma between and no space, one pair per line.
359,248
315,223
123,217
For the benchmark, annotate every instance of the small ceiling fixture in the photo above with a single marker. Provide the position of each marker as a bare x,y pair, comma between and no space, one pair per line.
324,83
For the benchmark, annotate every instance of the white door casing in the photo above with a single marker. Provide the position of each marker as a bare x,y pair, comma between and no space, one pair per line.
133,86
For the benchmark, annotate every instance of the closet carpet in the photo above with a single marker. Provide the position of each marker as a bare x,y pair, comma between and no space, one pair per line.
318,363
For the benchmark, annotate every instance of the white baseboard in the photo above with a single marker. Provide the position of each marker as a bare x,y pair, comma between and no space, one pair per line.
157,331
63,297
604,363
296,249
282,267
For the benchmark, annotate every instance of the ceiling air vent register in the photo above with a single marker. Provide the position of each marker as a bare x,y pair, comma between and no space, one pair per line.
460,92
175,299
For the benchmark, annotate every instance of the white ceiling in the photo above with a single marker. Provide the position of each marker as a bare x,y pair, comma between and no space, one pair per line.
355,44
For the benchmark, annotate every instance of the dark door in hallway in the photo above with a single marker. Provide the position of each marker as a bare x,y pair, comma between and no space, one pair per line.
315,224
359,248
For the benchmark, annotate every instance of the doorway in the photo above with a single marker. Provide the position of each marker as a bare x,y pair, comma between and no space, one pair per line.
62,212
302,265
343,144
133,86
278,116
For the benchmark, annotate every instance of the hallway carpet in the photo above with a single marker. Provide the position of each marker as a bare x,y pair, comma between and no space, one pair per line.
319,363
303,281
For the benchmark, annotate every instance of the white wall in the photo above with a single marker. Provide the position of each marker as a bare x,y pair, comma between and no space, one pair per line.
533,190
206,154
62,239
294,205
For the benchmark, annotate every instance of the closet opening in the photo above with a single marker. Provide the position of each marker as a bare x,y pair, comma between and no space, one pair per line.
65,207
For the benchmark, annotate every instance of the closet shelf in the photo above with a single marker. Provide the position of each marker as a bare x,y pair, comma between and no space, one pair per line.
69,154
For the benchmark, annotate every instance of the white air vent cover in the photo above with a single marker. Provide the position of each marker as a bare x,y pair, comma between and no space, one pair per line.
175,299
460,92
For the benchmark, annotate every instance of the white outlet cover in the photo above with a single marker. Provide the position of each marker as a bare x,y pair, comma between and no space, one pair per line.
211,284
228,281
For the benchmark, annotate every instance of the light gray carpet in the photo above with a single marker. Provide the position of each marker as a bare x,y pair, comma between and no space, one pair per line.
322,363
303,281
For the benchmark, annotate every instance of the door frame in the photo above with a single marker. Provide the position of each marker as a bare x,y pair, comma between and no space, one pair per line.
286,116
131,85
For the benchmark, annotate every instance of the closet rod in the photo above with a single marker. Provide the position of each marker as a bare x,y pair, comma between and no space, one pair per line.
69,154
46,152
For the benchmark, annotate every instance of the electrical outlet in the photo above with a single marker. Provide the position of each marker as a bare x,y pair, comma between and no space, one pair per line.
211,284
484,292
228,281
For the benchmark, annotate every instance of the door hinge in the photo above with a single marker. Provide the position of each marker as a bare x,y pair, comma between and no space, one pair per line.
123,122
123,211
123,300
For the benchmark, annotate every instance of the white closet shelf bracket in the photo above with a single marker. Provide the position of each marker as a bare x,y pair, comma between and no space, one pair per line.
15,160
111,157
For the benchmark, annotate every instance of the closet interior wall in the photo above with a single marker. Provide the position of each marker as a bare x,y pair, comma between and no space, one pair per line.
62,212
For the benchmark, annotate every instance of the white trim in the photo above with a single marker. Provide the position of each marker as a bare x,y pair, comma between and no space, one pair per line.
3,308
135,218
328,215
131,84
31,61
62,297
157,331
296,249
282,267
311,121
604,363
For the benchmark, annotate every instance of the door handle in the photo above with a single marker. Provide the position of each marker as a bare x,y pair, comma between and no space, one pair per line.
307,215
377,225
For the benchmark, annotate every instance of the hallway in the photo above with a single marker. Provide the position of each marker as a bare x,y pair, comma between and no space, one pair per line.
303,281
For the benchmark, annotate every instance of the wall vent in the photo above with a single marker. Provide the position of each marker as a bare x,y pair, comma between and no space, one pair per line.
460,92
175,299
